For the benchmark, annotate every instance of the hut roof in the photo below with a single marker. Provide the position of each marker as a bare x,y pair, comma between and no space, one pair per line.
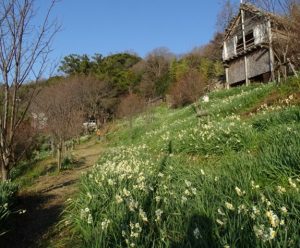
256,11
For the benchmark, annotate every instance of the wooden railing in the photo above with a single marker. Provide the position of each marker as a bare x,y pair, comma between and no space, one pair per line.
239,50
249,43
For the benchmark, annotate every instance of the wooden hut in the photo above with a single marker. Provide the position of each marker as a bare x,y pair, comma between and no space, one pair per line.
248,54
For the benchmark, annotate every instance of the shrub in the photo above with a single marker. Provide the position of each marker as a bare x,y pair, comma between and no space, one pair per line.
130,105
188,88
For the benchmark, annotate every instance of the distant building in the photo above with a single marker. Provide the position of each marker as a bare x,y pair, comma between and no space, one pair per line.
247,49
39,120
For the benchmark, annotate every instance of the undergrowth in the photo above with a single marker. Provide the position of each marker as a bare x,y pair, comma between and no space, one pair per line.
7,196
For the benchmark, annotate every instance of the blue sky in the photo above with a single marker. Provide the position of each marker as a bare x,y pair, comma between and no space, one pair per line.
110,26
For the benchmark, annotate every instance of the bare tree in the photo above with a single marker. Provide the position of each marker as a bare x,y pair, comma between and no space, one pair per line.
96,97
63,115
24,50
228,10
212,49
129,106
274,6
156,68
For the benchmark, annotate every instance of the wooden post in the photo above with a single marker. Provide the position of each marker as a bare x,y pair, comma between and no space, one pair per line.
284,67
245,47
59,154
227,78
271,52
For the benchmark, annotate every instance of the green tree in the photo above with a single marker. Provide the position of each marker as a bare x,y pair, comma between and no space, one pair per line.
77,64
116,70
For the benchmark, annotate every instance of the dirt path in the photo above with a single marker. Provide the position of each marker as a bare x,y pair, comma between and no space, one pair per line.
45,199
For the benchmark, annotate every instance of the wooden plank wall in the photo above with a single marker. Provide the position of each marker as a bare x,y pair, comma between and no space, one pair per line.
236,70
258,62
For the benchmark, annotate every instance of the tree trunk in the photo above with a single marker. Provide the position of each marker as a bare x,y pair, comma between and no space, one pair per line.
4,172
5,166
52,148
59,155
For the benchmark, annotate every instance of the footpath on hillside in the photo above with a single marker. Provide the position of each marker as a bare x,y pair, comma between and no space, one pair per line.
44,202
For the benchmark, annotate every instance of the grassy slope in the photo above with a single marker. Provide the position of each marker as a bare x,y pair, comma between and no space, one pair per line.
175,181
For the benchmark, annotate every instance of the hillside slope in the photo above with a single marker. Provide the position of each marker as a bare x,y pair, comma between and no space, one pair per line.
230,179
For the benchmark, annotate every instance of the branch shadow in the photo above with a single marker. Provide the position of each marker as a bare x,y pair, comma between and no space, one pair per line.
25,230
58,186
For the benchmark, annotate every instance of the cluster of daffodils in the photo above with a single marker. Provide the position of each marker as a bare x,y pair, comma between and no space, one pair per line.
212,136
166,123
189,191
85,214
126,198
105,223
280,105
163,133
269,222
287,101
125,175
294,183
132,235
266,217
264,233
124,178
265,108
125,164
168,193
158,214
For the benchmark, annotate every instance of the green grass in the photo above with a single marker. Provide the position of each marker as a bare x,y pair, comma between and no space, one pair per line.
28,171
230,179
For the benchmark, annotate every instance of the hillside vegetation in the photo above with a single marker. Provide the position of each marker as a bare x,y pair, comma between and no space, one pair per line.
230,179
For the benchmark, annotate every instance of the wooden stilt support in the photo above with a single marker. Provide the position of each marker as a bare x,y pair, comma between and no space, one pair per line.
293,68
